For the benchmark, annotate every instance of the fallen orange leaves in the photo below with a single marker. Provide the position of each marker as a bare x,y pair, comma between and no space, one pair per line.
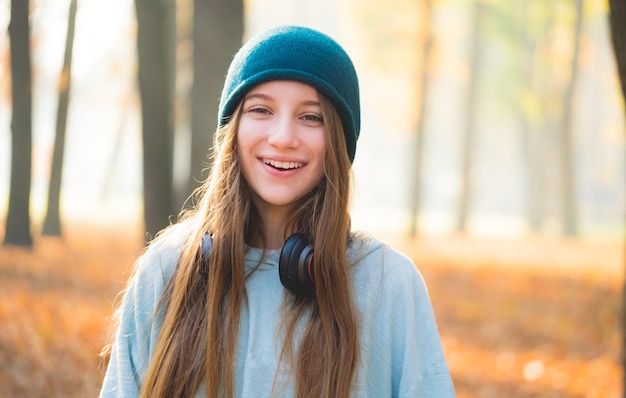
526,318
54,304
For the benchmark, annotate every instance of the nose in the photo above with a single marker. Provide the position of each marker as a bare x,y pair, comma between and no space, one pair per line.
284,133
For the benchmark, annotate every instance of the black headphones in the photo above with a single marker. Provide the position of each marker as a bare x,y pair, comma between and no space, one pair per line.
295,264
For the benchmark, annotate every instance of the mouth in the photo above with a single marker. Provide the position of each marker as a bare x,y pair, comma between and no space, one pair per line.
280,165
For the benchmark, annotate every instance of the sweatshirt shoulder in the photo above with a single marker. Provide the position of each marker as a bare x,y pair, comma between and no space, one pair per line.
365,248
160,257
370,255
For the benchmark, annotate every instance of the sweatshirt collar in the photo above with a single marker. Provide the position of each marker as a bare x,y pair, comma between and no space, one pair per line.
254,255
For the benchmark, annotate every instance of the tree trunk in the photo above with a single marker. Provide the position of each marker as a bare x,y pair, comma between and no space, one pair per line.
156,43
18,216
568,191
217,34
471,107
618,36
416,181
532,147
52,223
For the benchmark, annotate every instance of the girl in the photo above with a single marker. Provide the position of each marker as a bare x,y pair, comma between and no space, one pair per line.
263,290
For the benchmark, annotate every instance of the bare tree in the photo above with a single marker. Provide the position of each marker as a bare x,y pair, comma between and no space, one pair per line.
52,223
618,36
156,43
531,137
568,191
416,180
217,35
18,216
471,107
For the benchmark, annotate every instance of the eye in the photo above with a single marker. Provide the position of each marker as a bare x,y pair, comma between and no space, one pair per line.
259,110
313,118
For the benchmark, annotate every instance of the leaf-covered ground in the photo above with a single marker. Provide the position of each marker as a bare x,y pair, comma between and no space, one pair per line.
532,318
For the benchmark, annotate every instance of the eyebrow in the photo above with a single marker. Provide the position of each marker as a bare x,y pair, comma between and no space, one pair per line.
268,98
256,95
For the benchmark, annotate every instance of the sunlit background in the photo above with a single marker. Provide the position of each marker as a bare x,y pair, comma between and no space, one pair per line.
523,310
102,166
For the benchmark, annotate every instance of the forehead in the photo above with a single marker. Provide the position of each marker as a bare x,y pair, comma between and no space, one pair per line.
287,89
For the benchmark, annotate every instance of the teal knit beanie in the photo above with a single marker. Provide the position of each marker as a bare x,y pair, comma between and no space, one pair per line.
299,54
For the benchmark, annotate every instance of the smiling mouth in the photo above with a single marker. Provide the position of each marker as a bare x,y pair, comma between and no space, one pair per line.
277,164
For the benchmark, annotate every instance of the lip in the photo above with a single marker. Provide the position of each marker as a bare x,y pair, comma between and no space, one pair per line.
281,159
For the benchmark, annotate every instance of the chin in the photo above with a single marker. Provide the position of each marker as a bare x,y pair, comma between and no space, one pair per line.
280,200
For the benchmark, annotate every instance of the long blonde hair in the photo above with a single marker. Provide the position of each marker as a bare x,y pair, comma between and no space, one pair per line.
198,310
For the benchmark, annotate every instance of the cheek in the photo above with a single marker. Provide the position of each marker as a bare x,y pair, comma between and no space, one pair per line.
243,148
315,140
245,139
241,138
318,147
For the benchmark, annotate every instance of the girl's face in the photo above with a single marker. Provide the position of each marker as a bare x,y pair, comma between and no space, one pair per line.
281,143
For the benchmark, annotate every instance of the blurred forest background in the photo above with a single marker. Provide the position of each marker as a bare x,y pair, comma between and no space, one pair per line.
492,150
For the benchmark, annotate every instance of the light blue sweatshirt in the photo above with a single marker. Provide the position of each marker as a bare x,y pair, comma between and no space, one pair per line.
401,353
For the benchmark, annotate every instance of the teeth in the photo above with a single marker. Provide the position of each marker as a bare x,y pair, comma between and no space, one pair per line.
282,165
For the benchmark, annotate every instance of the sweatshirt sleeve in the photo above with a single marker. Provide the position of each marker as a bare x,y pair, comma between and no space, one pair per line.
418,364
401,354
138,326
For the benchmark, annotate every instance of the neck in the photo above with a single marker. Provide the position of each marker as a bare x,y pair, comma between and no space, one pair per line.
273,223
275,237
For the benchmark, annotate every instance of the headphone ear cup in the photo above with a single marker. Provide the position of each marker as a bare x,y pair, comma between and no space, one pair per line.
295,265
